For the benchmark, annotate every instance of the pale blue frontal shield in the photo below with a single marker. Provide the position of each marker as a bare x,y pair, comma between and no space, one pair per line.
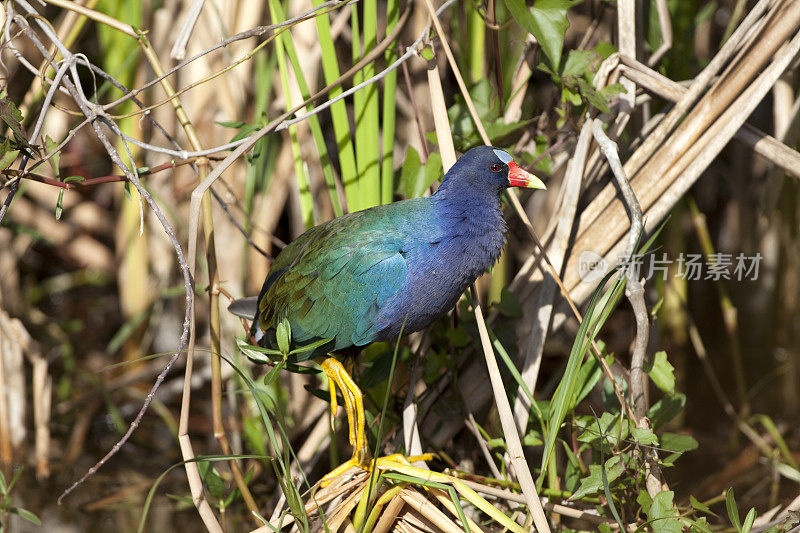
503,156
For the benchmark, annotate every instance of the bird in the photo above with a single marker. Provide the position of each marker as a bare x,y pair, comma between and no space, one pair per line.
370,275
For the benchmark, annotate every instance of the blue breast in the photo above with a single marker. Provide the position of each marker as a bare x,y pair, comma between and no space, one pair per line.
449,249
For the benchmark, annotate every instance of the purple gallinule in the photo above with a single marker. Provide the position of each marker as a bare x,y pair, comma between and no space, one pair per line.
367,276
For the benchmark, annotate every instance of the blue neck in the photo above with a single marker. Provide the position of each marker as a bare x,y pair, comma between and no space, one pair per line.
472,218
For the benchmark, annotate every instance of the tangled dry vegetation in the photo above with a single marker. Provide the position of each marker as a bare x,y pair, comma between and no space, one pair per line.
155,156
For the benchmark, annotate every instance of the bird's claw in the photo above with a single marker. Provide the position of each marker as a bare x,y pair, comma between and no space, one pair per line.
387,462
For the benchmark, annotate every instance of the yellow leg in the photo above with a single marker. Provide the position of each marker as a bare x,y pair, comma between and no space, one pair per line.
354,406
359,441
353,403
334,406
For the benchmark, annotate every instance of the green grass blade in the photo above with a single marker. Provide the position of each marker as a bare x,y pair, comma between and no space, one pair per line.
372,474
277,14
306,202
604,476
565,391
341,123
516,375
389,111
365,109
457,503
477,45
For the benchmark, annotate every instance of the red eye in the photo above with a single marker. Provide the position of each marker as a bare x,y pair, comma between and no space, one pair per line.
494,167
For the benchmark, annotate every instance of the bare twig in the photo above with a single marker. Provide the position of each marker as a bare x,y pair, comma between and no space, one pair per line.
91,111
635,293
517,456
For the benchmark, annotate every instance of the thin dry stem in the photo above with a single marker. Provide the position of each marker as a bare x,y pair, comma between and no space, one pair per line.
517,456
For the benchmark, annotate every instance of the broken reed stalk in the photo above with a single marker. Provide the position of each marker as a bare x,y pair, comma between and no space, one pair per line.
541,306
677,171
516,454
762,144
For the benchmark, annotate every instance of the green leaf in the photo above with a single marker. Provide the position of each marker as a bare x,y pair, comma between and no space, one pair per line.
700,525
733,510
50,145
678,443
789,472
665,409
570,97
254,435
273,374
7,155
496,442
547,21
748,520
13,119
259,354
310,346
593,483
59,204
433,168
605,49
578,62
700,506
416,177
378,372
212,480
14,478
662,515
458,336
27,515
589,374
508,304
538,157
246,131
532,438
644,500
283,333
572,473
236,124
412,175
608,429
501,133
608,91
599,99
644,436
662,373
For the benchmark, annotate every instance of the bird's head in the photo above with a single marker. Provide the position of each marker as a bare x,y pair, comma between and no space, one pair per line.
490,167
